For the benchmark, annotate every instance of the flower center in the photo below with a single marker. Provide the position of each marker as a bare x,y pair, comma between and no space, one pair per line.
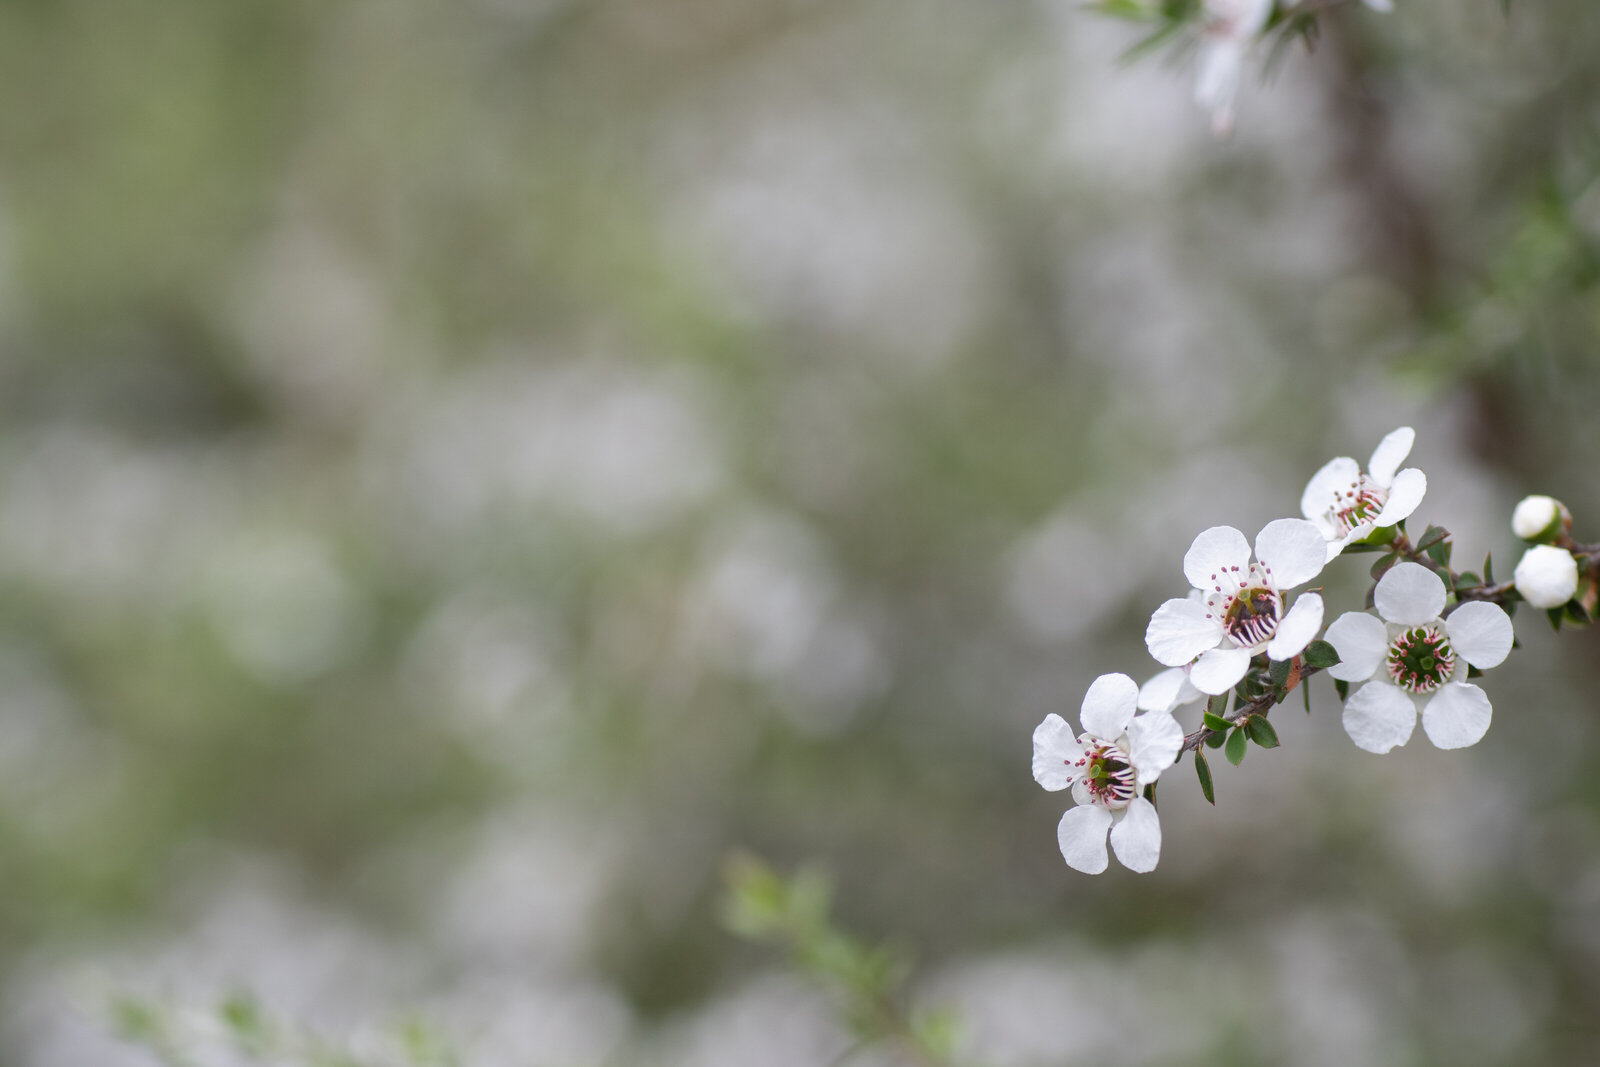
1358,504
1107,774
1421,660
1247,602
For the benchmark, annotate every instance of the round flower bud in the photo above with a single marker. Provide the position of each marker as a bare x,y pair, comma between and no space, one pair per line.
1540,518
1547,577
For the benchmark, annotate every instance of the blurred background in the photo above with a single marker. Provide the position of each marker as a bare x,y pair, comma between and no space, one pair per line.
468,465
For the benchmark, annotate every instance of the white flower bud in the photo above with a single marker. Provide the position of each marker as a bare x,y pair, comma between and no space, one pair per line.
1540,518
1547,577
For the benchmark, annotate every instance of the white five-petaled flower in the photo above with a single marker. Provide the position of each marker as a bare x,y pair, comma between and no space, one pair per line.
1347,505
1107,768
1546,576
1237,608
1411,660
1228,28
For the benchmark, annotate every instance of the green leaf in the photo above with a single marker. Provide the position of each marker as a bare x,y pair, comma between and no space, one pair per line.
1215,740
1203,769
1439,552
1132,10
1488,571
1467,580
1433,535
1261,731
1555,615
1217,705
1279,672
1305,692
1216,722
1237,743
1473,672
1320,654
1343,687
1380,568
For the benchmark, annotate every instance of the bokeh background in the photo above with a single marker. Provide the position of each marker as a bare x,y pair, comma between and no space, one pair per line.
468,465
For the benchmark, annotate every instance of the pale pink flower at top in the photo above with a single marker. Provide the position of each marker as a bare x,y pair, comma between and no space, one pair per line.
1347,505
1412,662
1107,767
1228,28
1237,608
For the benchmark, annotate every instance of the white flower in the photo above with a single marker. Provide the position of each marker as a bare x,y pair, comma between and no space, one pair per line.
1540,518
1169,690
1381,5
1413,659
1347,505
1237,609
1546,576
1228,29
1107,767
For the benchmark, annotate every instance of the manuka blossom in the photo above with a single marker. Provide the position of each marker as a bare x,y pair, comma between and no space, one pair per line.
1107,767
1412,662
1237,608
1347,505
1228,28
1168,691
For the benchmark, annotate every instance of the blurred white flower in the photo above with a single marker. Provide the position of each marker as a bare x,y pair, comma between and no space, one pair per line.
1169,690
1546,576
1540,518
1239,609
1228,29
1410,659
1381,5
1347,505
1106,767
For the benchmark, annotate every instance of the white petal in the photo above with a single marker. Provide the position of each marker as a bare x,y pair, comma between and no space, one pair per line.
1322,491
1153,743
1217,80
1055,750
1219,669
1361,641
1298,627
1390,453
1292,550
1108,705
1221,548
1081,833
1378,717
1179,631
1410,486
1409,594
1457,716
1481,633
1385,6
1167,690
1137,836
1344,542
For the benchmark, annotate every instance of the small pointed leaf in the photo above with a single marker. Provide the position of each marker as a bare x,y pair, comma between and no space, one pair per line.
1203,769
1237,743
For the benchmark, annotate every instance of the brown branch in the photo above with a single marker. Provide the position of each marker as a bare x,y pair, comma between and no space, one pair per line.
1258,706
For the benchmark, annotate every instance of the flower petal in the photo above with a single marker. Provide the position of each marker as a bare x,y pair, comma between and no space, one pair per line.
1081,833
1300,624
1409,487
1457,716
1180,630
1108,705
1137,836
1322,492
1218,549
1154,741
1055,750
1390,453
1378,717
1292,550
1481,632
1409,594
1219,669
1167,690
1350,538
1361,641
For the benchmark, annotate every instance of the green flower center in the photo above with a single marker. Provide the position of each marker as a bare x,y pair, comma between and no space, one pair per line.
1420,659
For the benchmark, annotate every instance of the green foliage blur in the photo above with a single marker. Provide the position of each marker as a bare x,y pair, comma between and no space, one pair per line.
468,467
